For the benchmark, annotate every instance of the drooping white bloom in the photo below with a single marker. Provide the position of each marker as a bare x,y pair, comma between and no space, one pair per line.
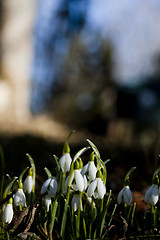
47,202
75,202
65,161
19,198
125,195
96,189
152,194
8,212
91,169
50,186
28,184
78,182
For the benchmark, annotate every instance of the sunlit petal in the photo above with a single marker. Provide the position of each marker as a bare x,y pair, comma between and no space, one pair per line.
85,182
65,161
45,186
79,180
19,198
47,202
101,188
28,184
75,202
8,213
92,171
91,188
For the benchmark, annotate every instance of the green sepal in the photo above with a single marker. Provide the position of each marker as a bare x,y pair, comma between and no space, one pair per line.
48,172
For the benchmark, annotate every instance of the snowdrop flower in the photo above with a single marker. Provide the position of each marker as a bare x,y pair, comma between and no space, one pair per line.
28,183
77,181
152,194
8,211
96,188
19,197
50,187
90,168
125,195
47,202
66,160
75,202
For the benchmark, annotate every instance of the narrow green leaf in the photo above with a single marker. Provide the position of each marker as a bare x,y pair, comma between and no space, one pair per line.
102,164
102,220
79,153
84,228
53,215
111,217
94,148
128,173
57,162
22,173
64,218
115,206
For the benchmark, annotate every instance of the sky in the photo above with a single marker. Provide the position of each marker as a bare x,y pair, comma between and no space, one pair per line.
134,29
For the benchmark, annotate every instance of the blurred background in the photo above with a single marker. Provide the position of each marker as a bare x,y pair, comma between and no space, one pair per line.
92,66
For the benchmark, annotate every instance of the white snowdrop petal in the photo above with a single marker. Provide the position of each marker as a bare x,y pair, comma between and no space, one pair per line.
28,184
75,202
19,198
84,169
119,197
45,186
47,202
62,161
154,195
127,195
79,180
101,189
92,171
148,193
68,162
85,182
91,188
8,213
52,187
65,161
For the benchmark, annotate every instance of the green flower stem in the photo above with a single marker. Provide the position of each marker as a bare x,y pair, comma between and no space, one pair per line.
52,220
64,218
153,216
60,182
79,216
133,212
68,193
63,181
101,208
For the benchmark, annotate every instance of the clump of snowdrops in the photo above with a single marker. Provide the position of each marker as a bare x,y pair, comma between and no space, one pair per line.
73,202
